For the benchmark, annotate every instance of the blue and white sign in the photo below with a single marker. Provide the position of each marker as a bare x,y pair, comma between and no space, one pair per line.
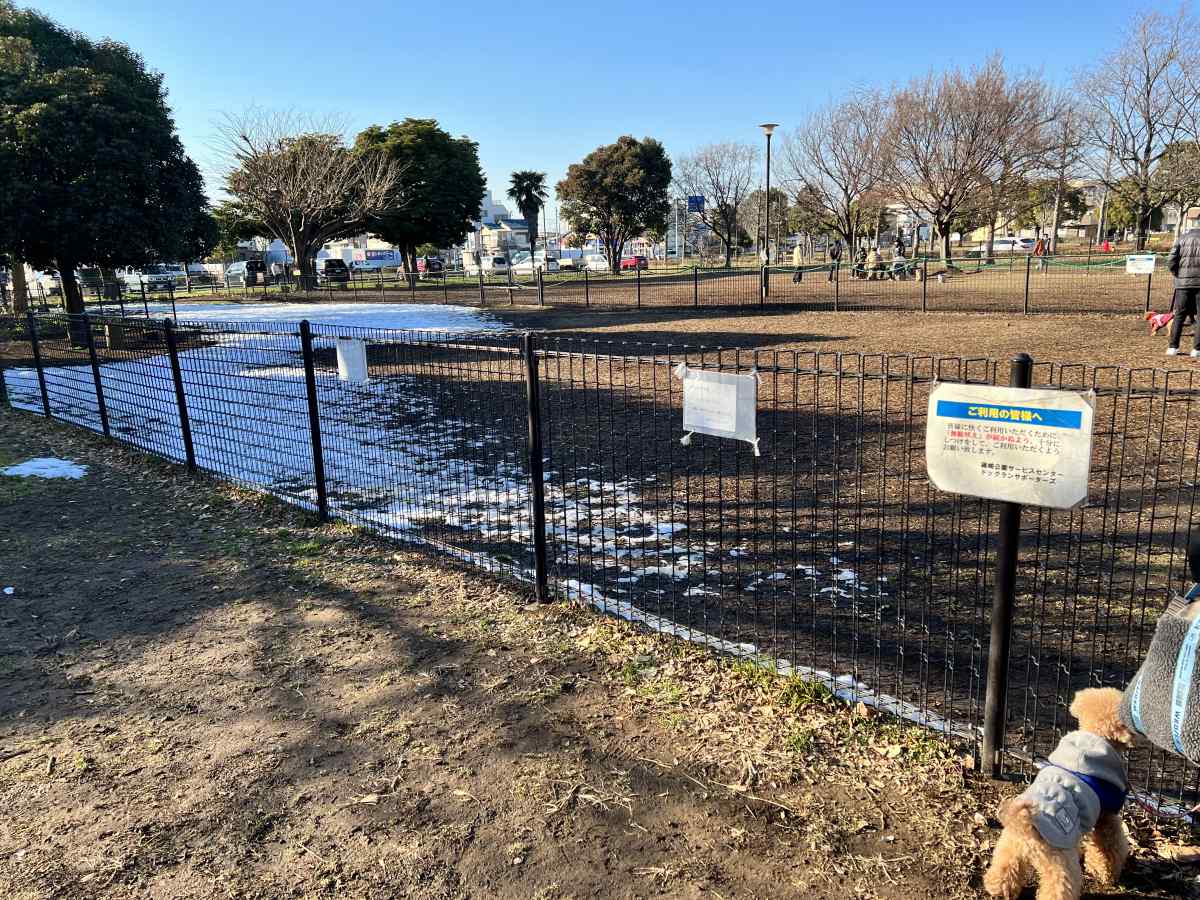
695,203
1024,445
1140,264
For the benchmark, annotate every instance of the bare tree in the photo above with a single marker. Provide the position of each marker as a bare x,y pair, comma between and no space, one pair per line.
1065,154
303,183
836,160
722,174
1022,111
1136,104
945,138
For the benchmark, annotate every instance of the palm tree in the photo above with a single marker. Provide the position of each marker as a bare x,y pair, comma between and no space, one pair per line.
528,190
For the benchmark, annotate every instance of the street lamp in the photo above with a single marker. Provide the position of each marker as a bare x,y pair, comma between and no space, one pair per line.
768,129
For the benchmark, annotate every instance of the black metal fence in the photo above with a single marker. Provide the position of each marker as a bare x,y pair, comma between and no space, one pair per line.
830,555
1014,283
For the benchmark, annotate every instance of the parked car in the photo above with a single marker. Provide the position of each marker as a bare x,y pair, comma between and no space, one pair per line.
595,262
488,263
332,271
631,263
430,266
247,273
523,265
1011,245
153,277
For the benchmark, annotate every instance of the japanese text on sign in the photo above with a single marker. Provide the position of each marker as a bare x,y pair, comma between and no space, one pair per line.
719,403
1016,444
1140,264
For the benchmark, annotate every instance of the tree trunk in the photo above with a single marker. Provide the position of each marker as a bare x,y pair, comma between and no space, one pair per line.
1055,216
19,288
991,240
728,254
72,303
943,229
1143,227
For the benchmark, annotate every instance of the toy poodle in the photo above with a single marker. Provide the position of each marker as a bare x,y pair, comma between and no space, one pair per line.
1073,805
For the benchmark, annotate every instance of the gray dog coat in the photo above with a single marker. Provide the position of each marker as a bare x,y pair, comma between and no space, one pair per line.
1085,776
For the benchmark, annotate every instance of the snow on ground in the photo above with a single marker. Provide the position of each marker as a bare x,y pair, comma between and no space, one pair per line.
45,467
395,461
401,316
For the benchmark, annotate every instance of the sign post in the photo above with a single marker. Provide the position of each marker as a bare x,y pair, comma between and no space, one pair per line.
1019,446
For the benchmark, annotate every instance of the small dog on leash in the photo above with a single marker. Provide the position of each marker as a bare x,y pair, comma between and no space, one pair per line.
1158,320
1073,806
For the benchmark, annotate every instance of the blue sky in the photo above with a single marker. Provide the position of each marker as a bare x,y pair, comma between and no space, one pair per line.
686,73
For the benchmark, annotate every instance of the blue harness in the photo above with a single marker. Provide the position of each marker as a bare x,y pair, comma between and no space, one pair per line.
1111,797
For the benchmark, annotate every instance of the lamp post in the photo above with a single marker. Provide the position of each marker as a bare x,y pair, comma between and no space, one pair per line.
768,129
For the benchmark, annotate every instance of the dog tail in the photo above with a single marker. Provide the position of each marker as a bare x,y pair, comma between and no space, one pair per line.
1016,814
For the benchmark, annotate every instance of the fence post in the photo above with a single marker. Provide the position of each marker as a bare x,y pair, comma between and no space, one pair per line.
587,294
1028,269
1003,599
482,295
765,286
314,421
100,404
925,283
837,285
537,489
35,347
638,271
445,293
185,425
145,304
541,288
1149,280
695,286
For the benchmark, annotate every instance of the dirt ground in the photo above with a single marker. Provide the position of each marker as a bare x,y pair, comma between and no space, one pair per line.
203,695
1096,339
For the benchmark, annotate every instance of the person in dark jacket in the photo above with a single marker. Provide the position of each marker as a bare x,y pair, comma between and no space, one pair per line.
1184,264
835,257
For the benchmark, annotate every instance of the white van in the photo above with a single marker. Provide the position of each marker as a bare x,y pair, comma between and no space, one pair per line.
595,262
521,264
488,263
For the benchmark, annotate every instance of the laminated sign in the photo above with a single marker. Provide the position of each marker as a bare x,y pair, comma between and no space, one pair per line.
719,403
352,360
1023,445
1139,264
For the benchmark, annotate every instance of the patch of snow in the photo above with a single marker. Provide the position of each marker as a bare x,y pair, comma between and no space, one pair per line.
45,467
402,316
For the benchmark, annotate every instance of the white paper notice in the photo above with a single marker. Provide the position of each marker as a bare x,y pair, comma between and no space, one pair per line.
352,360
1025,445
719,403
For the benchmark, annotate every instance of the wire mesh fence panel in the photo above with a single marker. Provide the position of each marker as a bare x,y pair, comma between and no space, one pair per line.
1064,284
431,446
247,405
829,555
824,553
728,287
805,287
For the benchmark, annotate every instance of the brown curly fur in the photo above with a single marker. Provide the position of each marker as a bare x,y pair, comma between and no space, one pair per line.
1022,855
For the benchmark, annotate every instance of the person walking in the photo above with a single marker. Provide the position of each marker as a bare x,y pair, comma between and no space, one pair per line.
797,264
1039,253
1184,264
835,257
